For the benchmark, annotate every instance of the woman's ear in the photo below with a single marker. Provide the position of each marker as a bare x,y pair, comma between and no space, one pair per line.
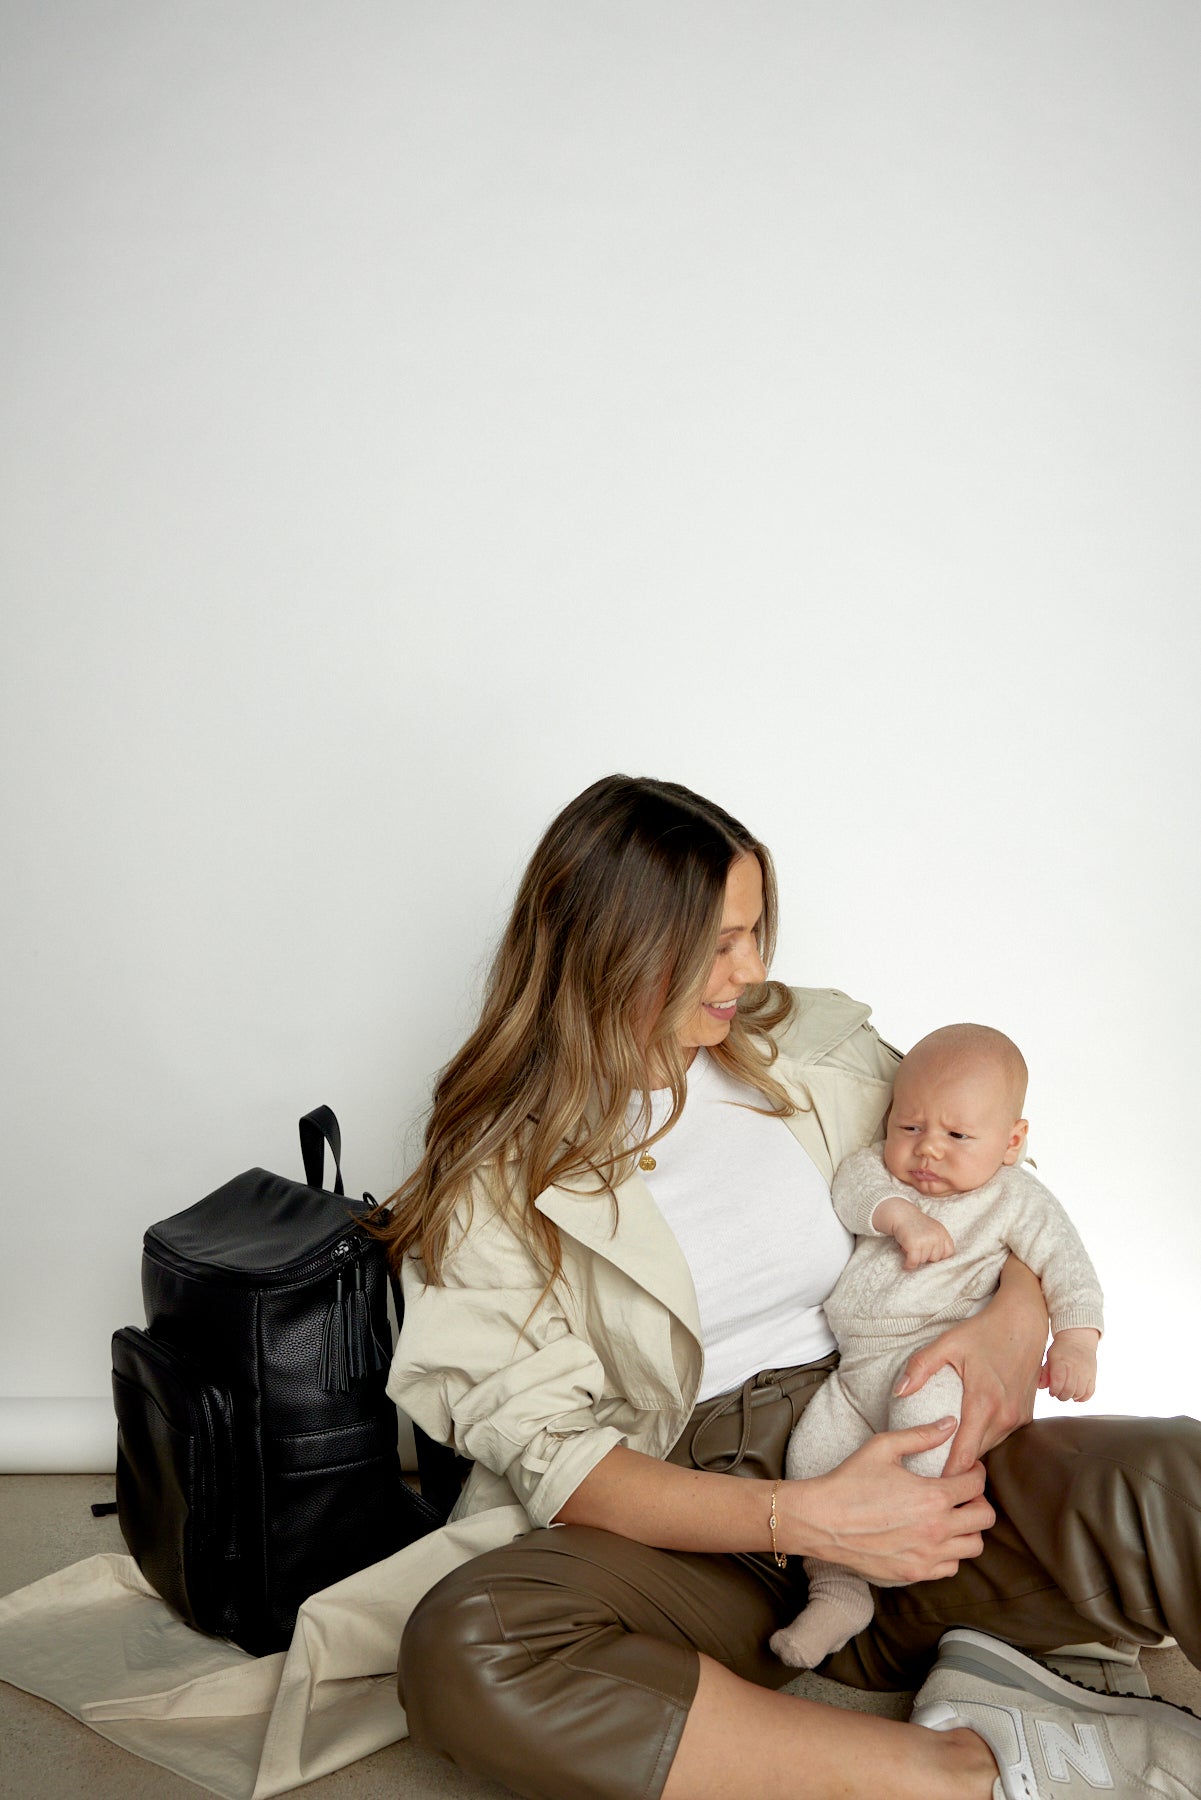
1017,1142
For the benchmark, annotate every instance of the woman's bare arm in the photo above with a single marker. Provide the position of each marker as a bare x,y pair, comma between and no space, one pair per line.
997,1354
869,1513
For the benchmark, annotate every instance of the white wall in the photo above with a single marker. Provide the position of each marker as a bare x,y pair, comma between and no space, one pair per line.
416,410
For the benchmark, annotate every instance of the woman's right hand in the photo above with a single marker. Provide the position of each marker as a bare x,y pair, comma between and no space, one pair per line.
878,1518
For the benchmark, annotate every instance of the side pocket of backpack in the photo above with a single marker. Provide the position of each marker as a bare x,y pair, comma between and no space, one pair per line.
176,1478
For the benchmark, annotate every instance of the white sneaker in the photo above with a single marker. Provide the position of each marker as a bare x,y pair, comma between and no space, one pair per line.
1054,1740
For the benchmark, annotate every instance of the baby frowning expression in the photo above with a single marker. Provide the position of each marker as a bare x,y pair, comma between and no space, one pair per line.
954,1119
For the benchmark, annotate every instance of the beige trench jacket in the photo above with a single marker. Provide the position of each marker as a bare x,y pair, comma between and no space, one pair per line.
614,1357
535,1395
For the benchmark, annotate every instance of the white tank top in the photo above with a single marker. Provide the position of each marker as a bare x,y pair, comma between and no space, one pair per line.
752,1215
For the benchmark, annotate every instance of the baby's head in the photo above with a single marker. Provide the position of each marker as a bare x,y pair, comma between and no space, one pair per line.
956,1110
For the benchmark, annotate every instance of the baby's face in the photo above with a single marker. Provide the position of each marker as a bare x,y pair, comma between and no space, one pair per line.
951,1129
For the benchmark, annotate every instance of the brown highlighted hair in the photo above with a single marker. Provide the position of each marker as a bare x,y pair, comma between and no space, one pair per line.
606,955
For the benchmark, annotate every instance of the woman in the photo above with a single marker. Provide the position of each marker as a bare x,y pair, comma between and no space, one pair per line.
621,1215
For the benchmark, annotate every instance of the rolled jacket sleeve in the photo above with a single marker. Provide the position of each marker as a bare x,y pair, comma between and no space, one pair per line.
490,1363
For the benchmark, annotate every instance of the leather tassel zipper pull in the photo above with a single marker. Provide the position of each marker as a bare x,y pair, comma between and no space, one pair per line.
365,1354
349,1347
334,1373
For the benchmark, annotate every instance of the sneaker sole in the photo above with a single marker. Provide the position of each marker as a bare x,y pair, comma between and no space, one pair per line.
971,1653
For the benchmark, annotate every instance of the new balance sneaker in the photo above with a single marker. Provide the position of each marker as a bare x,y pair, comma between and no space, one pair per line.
1054,1740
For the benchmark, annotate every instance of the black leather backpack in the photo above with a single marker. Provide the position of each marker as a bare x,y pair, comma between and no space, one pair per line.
256,1446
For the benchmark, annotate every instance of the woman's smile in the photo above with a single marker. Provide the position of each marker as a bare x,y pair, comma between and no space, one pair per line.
737,958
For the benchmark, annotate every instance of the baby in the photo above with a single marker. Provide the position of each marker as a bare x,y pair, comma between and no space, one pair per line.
938,1212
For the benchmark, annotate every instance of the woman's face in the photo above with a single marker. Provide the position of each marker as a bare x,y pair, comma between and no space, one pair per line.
738,964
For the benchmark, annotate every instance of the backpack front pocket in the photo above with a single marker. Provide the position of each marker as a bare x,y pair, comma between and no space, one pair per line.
175,1478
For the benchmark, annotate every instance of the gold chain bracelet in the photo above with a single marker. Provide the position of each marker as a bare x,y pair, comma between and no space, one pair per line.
781,1558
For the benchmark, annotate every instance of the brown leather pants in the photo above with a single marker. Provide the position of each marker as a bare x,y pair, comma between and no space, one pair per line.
564,1664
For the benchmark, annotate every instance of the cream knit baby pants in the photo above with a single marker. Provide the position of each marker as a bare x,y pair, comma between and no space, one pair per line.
856,1402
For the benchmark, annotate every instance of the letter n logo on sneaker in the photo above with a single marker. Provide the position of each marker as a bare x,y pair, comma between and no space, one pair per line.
1080,1749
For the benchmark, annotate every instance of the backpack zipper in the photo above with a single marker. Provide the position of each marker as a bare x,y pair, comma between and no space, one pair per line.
346,1248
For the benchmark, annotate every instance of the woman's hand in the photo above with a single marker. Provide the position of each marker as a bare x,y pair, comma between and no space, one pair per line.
998,1356
875,1516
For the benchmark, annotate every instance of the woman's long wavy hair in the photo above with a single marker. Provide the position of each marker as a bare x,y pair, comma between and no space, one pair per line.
604,960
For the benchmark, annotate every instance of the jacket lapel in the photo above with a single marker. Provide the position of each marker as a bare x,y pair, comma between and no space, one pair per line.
805,1127
837,1112
641,1243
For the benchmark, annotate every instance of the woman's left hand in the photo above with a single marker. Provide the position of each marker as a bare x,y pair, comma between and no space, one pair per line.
997,1355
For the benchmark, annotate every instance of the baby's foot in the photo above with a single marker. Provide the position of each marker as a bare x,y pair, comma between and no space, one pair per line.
823,1627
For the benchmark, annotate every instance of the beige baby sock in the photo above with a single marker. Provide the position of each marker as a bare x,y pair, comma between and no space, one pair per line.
840,1604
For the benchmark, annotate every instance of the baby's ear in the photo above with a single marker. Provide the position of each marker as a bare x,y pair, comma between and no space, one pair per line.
1016,1146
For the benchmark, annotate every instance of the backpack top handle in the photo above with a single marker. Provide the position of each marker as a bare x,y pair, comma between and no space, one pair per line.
317,1129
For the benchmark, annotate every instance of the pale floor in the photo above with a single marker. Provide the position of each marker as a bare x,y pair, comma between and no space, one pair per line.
46,1523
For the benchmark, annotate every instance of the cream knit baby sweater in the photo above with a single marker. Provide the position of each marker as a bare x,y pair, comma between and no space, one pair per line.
876,1298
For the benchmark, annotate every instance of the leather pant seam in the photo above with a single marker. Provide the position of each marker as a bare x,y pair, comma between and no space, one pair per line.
505,1636
653,1785
563,1657
639,1687
989,1606
991,1601
1134,1470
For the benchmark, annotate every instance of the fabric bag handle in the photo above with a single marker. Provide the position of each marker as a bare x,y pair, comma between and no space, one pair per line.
317,1129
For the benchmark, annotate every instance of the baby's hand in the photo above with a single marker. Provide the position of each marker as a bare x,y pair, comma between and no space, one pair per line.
1070,1371
924,1240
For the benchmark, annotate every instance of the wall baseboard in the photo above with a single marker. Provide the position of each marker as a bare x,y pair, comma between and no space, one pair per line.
78,1436
58,1436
